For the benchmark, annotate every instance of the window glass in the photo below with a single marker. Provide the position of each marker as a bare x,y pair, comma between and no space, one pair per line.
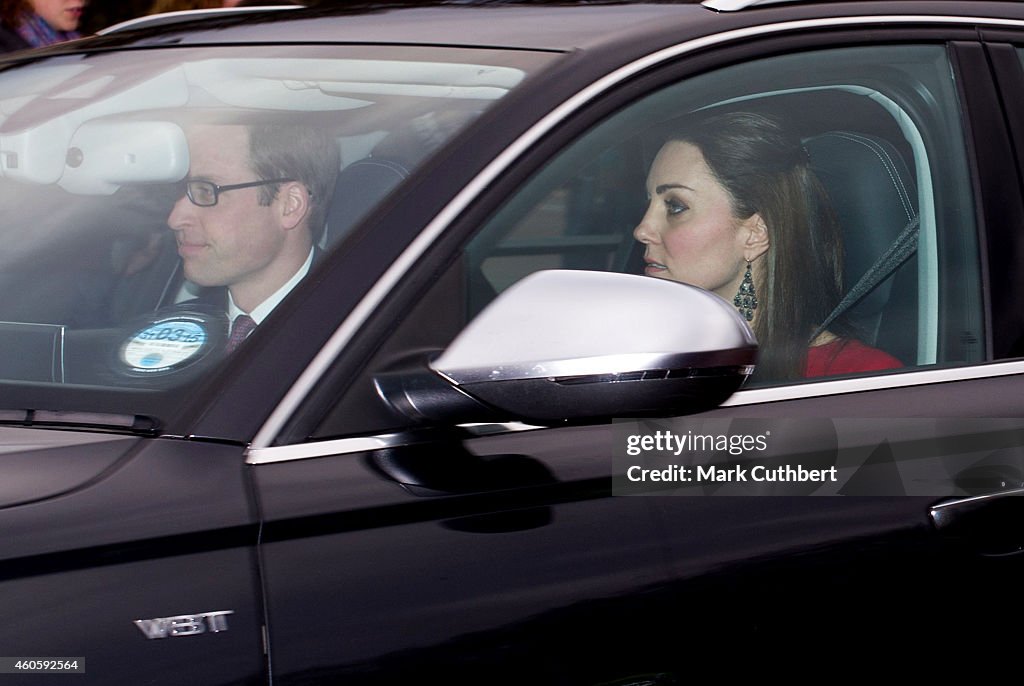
879,131
837,176
140,193
871,128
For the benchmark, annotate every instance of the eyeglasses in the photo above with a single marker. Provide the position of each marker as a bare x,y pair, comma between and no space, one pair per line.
205,193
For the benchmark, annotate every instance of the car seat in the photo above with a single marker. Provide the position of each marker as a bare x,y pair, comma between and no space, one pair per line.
875,199
359,188
364,183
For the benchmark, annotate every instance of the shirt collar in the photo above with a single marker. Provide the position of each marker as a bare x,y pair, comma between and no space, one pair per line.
260,312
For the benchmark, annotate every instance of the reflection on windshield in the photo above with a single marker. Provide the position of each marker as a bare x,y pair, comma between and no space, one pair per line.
159,205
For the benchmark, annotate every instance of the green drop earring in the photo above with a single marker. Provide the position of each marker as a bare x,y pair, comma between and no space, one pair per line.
746,299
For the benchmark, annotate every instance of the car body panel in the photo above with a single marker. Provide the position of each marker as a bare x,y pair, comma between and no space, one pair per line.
40,464
170,531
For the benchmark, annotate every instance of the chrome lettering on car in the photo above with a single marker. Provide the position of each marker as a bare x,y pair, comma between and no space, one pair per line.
184,625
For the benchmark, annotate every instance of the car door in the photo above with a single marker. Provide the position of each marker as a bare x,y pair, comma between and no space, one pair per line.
394,549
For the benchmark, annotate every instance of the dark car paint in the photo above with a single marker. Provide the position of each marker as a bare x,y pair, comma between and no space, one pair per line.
498,559
170,530
556,582
43,464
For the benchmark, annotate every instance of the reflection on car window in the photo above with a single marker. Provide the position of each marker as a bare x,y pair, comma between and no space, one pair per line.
157,209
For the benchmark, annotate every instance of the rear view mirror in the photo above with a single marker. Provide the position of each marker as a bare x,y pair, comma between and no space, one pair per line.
97,157
576,346
104,155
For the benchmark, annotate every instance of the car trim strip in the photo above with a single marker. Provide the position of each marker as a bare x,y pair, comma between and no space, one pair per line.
343,334
358,444
341,446
873,383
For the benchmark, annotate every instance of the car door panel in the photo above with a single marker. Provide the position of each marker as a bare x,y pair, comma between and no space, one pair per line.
819,572
372,579
166,536
424,581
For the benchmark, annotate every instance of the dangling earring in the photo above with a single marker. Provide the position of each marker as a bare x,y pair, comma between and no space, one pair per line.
746,299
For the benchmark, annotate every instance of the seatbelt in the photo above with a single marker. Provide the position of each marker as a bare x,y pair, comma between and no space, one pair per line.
898,252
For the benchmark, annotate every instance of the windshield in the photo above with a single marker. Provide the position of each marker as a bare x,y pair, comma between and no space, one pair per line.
158,204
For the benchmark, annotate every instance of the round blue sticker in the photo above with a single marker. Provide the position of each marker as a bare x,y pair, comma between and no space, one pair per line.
164,345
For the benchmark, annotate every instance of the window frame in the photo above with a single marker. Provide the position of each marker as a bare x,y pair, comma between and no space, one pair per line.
1005,240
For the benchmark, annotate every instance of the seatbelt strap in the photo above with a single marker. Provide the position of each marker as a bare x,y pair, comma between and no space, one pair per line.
898,252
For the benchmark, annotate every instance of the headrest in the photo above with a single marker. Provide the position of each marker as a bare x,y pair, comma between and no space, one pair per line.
360,186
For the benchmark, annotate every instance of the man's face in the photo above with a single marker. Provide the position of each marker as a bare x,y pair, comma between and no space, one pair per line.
236,242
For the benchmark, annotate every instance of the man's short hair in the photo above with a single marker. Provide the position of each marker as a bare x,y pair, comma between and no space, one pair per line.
307,154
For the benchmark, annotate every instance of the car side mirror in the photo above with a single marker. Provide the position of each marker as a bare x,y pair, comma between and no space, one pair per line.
576,346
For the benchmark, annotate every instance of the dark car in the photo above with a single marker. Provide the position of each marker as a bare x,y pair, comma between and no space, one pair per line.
474,443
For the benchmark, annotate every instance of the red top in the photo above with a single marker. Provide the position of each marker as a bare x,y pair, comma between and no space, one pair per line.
846,356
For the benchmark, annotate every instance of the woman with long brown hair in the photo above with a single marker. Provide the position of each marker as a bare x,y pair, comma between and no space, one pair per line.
735,208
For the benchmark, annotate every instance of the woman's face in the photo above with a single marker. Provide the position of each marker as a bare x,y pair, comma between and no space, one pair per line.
62,15
689,229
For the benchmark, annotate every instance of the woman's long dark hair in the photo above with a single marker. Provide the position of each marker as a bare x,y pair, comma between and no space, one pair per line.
765,170
13,12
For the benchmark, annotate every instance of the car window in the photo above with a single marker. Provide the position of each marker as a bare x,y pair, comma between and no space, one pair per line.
878,167
881,132
137,190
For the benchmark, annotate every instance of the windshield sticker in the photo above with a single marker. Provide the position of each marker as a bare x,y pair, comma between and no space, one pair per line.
164,346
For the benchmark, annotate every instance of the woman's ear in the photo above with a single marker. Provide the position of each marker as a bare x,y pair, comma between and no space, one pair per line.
294,204
757,239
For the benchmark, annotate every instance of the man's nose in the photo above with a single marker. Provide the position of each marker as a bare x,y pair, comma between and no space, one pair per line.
181,213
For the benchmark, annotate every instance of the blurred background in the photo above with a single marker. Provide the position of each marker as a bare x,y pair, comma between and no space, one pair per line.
101,13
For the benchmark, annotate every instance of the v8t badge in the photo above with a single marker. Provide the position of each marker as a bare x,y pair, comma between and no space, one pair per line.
185,625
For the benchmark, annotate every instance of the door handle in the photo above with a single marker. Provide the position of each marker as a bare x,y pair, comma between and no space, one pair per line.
991,524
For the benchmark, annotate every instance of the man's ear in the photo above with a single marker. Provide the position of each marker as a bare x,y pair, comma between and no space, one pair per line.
294,202
756,239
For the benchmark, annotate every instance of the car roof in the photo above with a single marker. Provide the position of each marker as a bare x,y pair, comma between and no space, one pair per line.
615,27
563,25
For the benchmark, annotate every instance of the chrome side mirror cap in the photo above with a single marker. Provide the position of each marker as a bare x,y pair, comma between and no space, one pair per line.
564,346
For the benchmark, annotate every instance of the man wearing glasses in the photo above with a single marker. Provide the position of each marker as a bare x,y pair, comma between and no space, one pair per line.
253,201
